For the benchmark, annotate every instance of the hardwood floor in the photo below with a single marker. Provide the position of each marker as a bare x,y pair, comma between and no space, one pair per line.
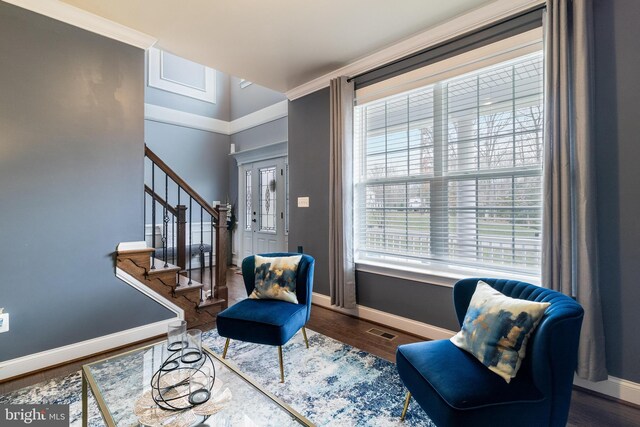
587,409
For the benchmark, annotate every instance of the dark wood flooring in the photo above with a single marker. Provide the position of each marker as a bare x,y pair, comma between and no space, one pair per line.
587,409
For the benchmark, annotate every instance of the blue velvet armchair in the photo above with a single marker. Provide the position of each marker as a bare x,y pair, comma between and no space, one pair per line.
266,321
455,389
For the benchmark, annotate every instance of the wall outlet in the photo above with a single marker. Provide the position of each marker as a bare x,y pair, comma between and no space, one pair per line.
303,202
4,322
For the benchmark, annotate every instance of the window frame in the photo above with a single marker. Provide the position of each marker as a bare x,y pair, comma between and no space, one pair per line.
440,272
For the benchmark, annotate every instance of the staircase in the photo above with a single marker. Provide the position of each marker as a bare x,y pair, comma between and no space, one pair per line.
178,217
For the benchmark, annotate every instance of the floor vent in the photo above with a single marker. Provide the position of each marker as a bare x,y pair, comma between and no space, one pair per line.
383,334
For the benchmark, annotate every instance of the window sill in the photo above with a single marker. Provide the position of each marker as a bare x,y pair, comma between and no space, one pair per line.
435,276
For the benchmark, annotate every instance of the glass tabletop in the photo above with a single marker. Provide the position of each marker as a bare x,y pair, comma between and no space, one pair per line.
118,382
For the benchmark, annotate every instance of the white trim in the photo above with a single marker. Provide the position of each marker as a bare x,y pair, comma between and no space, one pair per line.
156,113
462,24
130,246
265,115
56,356
412,274
139,286
266,152
160,114
157,79
436,275
88,21
401,323
245,83
614,387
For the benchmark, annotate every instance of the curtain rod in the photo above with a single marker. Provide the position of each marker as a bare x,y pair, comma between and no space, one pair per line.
460,37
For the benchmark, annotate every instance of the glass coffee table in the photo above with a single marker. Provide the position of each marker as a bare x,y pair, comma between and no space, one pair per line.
118,382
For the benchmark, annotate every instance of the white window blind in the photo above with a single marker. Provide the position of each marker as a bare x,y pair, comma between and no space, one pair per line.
450,174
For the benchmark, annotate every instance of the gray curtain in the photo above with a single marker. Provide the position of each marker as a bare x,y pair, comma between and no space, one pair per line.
570,251
342,281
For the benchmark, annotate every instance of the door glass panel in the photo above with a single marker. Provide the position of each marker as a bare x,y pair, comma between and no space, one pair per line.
248,200
268,199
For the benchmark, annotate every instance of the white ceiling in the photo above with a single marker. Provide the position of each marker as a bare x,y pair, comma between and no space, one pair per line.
279,44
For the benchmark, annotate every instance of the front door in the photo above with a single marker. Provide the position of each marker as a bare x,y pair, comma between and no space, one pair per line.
263,191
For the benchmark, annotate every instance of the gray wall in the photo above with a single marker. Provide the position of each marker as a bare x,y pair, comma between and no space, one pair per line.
220,110
265,134
71,168
309,227
309,176
250,99
199,157
246,101
617,129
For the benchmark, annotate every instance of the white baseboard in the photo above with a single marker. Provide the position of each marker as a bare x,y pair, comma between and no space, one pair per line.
44,359
141,287
398,322
56,356
614,387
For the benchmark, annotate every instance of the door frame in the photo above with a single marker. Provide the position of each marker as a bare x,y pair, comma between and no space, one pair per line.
254,155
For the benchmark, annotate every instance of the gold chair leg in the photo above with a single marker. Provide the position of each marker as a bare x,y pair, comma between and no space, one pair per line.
304,334
226,347
281,364
406,406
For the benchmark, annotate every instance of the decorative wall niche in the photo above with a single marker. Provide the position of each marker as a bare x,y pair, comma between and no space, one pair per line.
181,76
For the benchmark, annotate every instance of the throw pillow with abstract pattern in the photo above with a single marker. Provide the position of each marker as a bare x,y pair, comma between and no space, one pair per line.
496,329
276,278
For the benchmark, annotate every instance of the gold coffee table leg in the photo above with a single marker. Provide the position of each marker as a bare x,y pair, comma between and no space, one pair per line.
85,404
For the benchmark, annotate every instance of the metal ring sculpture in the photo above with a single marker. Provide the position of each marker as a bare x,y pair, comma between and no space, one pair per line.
170,390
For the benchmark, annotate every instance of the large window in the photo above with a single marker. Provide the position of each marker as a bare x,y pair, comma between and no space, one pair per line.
449,175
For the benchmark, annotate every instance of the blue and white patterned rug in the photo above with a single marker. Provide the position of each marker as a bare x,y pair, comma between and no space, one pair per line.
331,383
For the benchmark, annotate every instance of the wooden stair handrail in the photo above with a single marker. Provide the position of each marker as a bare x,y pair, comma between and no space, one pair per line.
160,200
186,187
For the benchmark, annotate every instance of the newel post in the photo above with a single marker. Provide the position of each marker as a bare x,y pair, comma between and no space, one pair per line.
181,236
222,246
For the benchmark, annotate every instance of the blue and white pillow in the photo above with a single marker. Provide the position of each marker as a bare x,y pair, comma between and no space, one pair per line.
496,329
276,278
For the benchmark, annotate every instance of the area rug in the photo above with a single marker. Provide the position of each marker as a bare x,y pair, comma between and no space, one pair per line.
331,383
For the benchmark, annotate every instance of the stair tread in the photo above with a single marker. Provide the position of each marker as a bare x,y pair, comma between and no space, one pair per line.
135,251
160,268
184,286
210,302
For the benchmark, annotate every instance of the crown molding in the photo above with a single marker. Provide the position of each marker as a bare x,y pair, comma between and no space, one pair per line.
457,26
265,152
157,113
160,114
88,21
265,115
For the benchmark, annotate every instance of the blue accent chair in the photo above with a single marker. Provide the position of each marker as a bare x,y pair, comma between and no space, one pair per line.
266,321
455,389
